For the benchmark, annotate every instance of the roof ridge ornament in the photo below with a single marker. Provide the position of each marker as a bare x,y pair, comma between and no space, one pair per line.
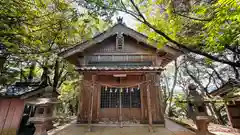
120,20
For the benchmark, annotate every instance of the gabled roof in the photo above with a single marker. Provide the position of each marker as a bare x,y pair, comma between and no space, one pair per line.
226,88
23,90
119,27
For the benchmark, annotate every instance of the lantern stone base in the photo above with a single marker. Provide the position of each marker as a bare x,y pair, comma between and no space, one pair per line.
202,124
40,129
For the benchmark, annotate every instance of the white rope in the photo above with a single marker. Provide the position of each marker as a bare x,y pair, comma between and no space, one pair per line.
107,85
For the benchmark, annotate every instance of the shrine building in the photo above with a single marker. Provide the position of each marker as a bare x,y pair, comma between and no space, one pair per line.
120,72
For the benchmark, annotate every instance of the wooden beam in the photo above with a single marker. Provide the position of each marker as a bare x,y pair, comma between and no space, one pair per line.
91,106
80,99
228,115
142,87
98,101
136,72
117,72
130,110
120,107
121,53
149,108
159,97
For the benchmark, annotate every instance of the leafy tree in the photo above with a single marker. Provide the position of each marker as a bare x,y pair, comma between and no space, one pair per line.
185,26
37,30
209,29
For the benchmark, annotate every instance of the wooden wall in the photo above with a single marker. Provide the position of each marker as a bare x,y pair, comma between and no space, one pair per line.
113,113
157,115
234,114
11,111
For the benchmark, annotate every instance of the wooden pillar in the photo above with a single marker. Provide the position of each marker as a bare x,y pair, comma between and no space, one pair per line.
159,96
142,87
91,102
149,107
130,98
80,99
228,114
120,107
98,88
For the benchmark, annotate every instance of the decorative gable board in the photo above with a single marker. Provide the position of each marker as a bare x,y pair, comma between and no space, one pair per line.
108,46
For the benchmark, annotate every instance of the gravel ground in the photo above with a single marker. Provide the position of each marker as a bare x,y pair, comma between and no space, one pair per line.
216,129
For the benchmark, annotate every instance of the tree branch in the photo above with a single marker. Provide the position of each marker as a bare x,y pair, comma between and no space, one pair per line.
193,18
182,46
217,74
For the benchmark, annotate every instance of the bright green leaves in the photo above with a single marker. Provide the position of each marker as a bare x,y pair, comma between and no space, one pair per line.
69,92
39,24
224,27
35,31
162,18
216,25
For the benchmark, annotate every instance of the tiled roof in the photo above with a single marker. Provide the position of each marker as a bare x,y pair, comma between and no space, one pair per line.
227,87
142,68
20,89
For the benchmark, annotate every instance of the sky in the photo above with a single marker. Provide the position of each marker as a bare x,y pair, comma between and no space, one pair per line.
127,19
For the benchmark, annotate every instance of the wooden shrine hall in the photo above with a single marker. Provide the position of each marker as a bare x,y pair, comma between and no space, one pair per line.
228,92
120,79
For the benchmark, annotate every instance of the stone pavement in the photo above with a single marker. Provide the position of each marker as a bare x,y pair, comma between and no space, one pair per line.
80,130
170,128
177,129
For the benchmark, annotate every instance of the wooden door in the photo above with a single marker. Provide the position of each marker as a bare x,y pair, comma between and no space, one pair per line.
109,104
120,98
117,103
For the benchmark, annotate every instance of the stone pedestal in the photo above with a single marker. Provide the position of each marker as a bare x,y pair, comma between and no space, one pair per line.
202,124
40,129
43,115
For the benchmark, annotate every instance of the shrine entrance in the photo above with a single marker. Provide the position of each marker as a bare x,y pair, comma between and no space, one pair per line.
120,104
120,98
128,100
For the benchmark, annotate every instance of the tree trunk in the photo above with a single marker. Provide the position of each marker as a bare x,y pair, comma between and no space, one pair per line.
56,75
173,86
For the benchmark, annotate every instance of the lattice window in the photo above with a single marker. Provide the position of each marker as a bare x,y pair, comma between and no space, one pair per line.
130,98
126,99
135,99
105,98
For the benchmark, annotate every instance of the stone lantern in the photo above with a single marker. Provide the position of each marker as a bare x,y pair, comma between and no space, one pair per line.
197,110
43,116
